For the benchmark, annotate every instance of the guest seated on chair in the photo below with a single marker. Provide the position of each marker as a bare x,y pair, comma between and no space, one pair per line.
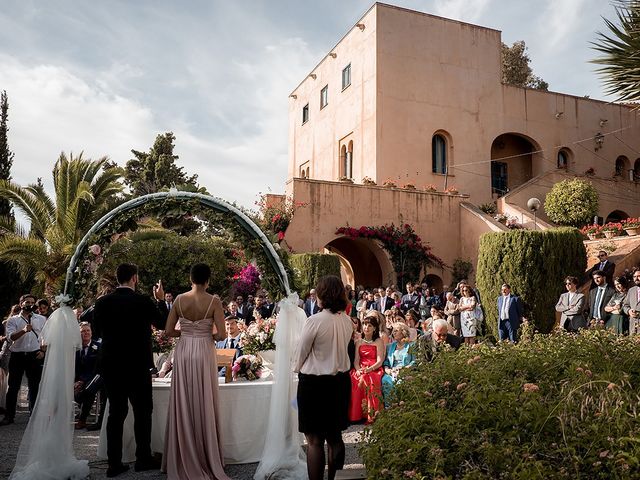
398,356
87,383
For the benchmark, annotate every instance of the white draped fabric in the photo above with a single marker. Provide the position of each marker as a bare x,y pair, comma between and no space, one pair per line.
282,457
46,450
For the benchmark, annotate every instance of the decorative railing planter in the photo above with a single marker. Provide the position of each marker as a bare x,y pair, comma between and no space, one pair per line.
610,233
632,231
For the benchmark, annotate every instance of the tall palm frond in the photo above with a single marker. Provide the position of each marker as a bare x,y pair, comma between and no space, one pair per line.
26,203
29,254
621,52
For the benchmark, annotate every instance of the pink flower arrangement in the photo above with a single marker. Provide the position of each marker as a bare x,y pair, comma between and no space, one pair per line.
247,281
160,341
258,336
247,366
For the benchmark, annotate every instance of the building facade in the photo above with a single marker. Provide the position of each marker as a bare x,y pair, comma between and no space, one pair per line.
415,100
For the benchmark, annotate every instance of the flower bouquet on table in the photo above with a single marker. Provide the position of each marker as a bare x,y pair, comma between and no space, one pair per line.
258,336
248,367
160,341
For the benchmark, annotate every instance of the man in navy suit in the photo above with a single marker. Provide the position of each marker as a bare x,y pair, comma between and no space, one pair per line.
232,340
386,300
509,314
86,385
311,306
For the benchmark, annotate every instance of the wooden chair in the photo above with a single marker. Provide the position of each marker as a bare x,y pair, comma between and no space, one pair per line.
225,358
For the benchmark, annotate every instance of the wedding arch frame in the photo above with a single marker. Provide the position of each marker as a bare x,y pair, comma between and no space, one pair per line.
208,201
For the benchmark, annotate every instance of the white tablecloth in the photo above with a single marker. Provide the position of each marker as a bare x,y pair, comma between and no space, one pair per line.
244,410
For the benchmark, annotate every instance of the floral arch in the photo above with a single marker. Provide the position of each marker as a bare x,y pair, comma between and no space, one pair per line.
139,204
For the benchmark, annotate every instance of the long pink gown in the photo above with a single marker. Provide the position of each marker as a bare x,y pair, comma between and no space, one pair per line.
192,448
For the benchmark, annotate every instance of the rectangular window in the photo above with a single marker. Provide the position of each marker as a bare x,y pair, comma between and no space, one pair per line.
305,114
346,76
324,96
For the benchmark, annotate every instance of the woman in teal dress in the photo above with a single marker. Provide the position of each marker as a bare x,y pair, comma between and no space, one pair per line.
618,321
398,356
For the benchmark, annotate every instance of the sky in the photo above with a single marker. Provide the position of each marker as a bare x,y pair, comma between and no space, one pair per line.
106,77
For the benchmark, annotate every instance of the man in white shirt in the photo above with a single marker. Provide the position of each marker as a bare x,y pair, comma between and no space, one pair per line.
24,331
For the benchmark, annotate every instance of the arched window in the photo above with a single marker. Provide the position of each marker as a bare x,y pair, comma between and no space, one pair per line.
348,165
439,154
621,166
563,159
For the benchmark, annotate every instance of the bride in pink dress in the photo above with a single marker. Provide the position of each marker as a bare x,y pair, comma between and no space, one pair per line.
192,447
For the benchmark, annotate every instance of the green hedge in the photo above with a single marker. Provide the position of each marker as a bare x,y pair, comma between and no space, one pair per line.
557,407
168,256
307,268
534,263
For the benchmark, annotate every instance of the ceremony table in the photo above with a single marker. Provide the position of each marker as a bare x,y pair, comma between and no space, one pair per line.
243,414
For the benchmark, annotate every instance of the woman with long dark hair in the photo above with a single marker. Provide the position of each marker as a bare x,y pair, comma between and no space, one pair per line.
323,379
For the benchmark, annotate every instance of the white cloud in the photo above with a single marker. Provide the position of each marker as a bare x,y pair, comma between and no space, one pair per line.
465,10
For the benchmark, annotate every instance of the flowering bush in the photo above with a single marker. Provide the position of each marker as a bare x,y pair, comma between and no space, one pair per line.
614,227
258,336
276,214
247,281
591,230
565,408
631,223
409,186
160,341
408,254
247,366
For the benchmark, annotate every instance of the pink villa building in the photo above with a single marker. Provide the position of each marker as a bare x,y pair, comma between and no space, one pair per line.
417,100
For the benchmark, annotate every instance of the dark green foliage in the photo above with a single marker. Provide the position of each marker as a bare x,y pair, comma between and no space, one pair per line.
461,270
534,263
169,257
153,171
309,267
556,407
6,155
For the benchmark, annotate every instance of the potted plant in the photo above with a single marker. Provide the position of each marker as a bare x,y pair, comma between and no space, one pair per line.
631,226
452,190
345,179
368,181
409,186
612,229
592,231
389,183
430,188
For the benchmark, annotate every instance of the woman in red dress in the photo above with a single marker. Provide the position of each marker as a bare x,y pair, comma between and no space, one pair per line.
366,376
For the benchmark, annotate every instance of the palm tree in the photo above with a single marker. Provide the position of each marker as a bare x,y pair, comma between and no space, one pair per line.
621,52
84,191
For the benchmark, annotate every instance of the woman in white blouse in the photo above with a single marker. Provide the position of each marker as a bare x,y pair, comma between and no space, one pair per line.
323,379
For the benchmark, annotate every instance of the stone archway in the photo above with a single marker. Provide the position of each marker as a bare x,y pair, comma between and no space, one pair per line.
363,261
513,158
434,281
213,203
616,216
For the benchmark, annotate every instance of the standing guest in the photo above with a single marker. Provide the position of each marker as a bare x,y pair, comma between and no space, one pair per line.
468,321
397,357
23,330
168,300
386,301
44,308
434,340
411,299
353,301
323,379
443,296
509,314
311,306
5,355
631,305
433,300
242,307
193,448
571,306
599,297
123,320
618,321
84,387
452,312
366,376
604,265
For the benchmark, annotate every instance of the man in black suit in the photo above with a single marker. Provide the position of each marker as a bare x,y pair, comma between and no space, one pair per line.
599,297
311,306
123,320
87,383
259,309
604,265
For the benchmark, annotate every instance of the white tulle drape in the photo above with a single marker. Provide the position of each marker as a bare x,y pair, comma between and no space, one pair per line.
283,458
46,450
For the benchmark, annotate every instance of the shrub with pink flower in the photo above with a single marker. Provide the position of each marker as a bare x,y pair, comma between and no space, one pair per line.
247,281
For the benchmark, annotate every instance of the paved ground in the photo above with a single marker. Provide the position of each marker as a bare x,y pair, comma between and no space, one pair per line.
86,445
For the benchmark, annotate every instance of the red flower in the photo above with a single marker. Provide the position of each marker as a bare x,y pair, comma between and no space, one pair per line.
280,236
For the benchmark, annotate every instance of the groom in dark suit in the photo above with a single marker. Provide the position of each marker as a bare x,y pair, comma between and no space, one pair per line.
123,319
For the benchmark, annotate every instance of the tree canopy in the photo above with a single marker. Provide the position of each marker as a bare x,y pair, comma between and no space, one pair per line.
516,69
155,170
620,50
6,155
